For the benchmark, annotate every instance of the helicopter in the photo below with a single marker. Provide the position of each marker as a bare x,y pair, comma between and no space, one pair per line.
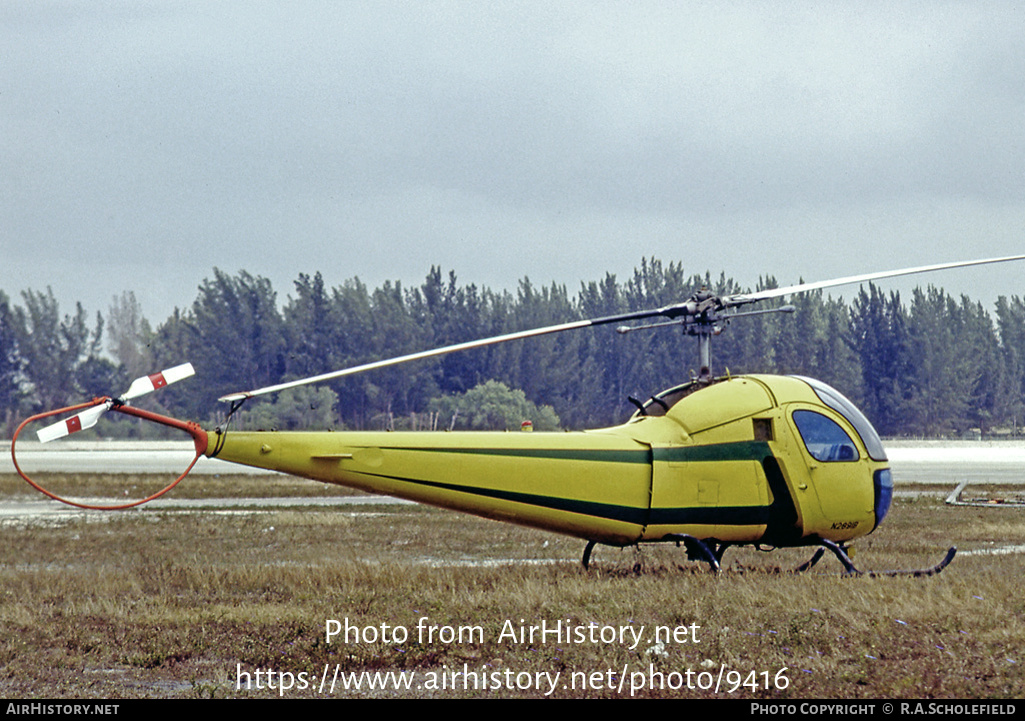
757,460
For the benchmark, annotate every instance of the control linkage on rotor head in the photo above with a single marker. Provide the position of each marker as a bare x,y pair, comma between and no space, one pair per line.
700,308
701,316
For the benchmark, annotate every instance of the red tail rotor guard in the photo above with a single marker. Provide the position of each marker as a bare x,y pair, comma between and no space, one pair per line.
199,438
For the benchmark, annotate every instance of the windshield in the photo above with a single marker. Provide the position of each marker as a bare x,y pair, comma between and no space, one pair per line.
839,403
824,439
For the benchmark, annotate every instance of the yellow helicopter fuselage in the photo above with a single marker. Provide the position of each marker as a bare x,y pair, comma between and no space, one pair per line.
750,459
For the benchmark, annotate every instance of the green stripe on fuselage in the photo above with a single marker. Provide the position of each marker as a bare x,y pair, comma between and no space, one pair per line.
724,515
560,454
740,451
755,451
710,516
587,508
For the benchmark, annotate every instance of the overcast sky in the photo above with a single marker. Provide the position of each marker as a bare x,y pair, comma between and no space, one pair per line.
145,143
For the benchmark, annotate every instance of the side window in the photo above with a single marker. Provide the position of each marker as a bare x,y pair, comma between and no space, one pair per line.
825,440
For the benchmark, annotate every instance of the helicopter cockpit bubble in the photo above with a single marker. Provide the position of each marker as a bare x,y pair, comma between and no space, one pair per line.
839,403
882,479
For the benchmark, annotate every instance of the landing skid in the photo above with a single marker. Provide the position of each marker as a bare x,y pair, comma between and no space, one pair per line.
699,550
850,570
586,560
811,561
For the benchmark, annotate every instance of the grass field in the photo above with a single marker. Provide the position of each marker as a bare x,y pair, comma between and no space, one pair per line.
185,603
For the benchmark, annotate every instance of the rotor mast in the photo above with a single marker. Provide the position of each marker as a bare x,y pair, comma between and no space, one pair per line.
704,334
704,325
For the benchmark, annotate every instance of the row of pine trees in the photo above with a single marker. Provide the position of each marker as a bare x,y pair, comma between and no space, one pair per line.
928,365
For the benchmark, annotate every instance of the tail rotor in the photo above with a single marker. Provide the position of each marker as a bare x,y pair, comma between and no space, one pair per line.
89,413
89,417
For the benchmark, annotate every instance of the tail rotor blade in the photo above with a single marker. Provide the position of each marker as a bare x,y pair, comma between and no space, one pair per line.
77,422
88,418
155,381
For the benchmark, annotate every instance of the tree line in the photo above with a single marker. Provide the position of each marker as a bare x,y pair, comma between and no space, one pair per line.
932,366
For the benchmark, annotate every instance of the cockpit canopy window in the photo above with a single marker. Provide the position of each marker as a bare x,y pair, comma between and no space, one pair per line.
826,441
839,403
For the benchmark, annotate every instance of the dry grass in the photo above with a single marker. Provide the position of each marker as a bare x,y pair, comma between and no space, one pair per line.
151,604
137,485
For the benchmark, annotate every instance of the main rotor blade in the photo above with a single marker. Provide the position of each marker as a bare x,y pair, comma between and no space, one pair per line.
667,310
743,298
687,308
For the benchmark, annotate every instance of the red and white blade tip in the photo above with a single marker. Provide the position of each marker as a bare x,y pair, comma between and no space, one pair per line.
77,422
139,387
155,381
